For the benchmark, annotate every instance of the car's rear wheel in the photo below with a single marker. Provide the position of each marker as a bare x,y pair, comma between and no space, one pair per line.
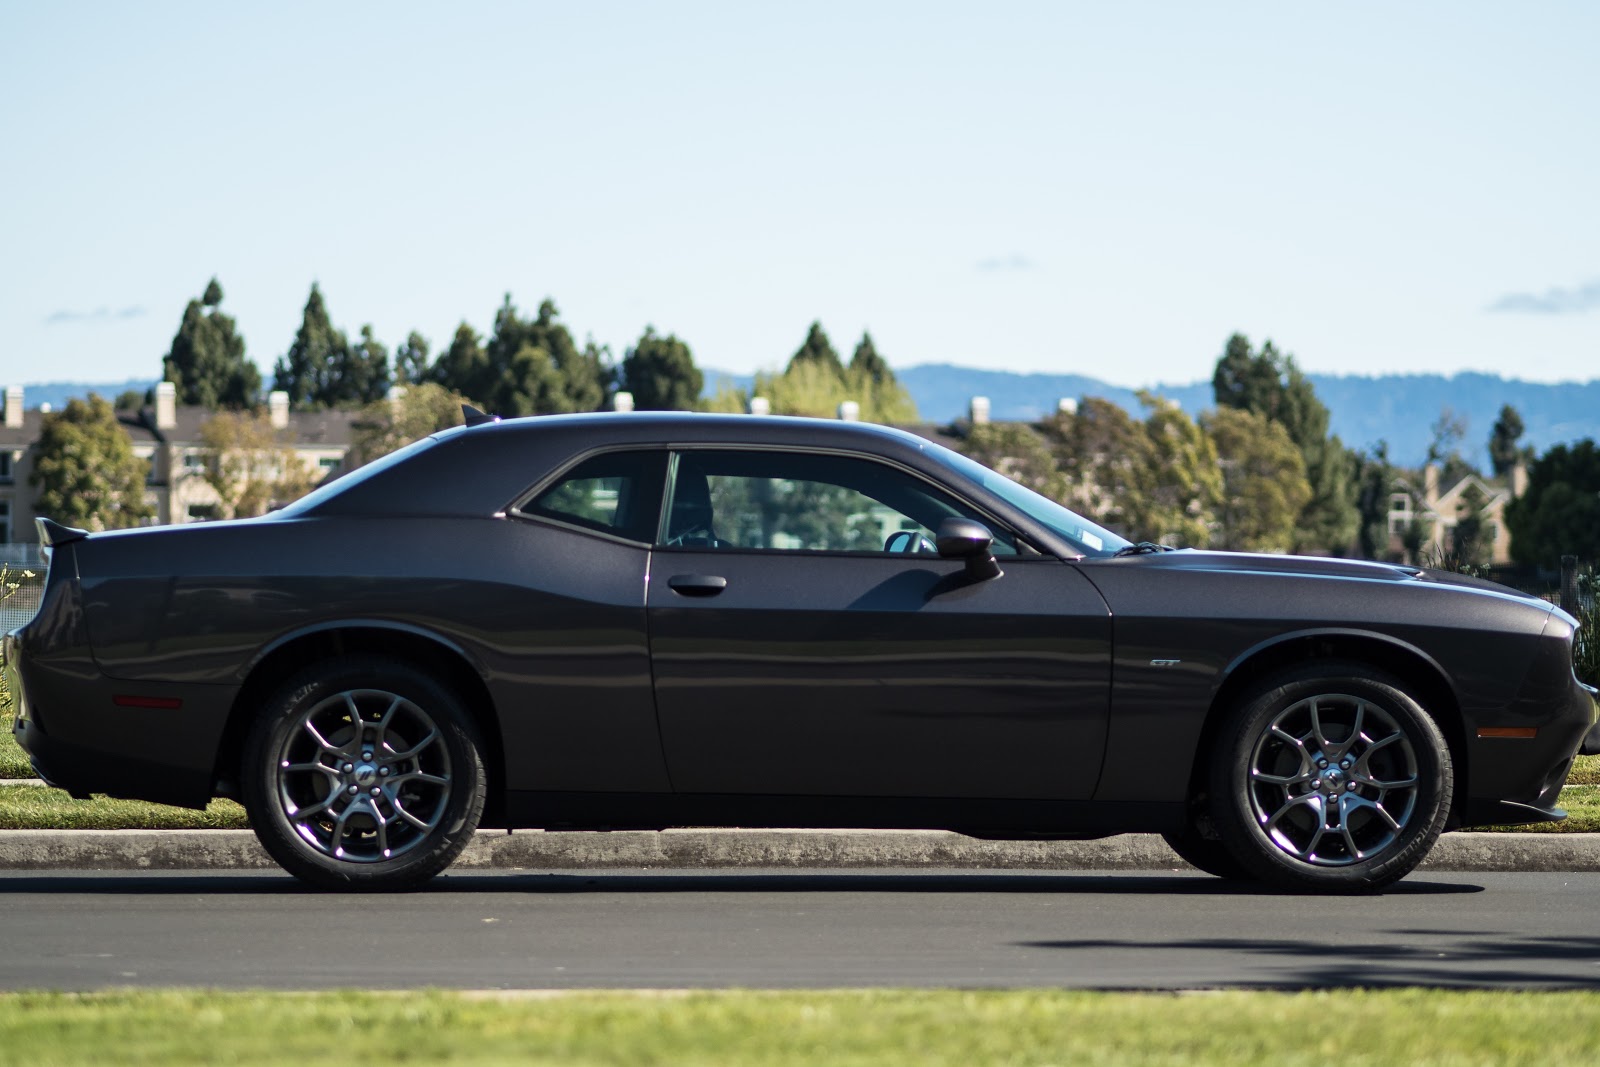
364,773
1330,778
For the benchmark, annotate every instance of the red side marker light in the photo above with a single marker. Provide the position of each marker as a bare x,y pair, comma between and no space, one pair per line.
1508,731
128,700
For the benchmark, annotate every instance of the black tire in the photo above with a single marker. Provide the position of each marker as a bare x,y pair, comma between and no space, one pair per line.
385,809
1330,778
1207,854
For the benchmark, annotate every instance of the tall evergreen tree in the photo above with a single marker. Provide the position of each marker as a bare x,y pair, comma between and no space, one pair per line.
358,373
1505,448
1270,384
206,360
464,367
818,351
307,371
411,360
84,470
867,365
1374,481
660,373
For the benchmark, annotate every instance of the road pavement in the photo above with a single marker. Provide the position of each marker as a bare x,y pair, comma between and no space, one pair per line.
794,928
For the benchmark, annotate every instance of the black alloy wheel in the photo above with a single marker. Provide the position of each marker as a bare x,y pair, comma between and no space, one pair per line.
1330,778
364,773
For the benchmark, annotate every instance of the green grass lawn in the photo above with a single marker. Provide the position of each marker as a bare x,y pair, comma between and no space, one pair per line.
1358,1028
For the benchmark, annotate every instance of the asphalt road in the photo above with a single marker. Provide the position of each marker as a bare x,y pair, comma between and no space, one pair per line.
65,930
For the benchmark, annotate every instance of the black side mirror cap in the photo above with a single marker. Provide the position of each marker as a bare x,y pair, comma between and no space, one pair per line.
970,540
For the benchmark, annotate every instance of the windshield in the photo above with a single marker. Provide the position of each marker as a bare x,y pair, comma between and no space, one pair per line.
1085,536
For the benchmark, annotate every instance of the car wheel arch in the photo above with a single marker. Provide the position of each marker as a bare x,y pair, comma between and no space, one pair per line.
450,664
1423,677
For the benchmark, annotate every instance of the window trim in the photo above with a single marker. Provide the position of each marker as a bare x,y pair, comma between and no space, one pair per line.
1025,547
550,481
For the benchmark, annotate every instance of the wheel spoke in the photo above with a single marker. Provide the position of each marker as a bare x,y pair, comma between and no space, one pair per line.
411,753
400,810
1280,779
418,776
382,729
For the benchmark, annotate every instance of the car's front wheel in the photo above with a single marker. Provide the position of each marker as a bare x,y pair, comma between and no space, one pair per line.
1330,778
364,773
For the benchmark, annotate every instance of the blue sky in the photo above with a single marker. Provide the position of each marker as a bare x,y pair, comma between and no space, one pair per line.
1090,188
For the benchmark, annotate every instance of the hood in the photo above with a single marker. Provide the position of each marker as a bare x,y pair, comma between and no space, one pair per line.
1318,567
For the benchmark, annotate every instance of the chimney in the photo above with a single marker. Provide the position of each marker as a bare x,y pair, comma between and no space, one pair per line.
13,407
760,405
1430,484
1519,480
979,410
622,401
278,408
166,406
1067,406
849,411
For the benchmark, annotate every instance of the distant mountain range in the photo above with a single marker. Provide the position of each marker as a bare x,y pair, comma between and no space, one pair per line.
1397,408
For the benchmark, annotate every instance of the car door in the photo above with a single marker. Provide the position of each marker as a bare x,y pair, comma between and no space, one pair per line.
806,640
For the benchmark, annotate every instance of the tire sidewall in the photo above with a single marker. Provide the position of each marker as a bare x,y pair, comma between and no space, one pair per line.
1232,811
280,715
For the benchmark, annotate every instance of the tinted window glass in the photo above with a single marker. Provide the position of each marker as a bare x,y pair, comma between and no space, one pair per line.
617,493
795,502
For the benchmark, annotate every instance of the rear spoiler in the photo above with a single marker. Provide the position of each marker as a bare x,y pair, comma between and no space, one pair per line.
52,534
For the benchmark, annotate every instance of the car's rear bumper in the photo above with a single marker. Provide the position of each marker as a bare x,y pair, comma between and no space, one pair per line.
143,741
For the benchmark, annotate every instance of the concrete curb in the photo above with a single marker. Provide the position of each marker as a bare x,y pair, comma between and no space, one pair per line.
237,850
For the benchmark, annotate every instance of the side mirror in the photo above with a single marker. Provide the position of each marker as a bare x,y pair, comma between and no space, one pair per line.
969,540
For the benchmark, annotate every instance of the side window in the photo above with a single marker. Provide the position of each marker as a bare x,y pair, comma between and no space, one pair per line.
798,502
617,493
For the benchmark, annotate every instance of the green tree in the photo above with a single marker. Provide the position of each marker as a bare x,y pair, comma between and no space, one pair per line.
411,360
384,426
1269,383
661,375
815,383
128,400
1448,431
1505,448
359,373
533,367
1375,483
818,350
250,466
1181,484
307,371
1469,540
84,471
206,360
1559,514
1105,454
1264,481
1018,451
464,366
867,365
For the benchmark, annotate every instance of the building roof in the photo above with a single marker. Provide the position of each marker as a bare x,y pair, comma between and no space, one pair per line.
329,429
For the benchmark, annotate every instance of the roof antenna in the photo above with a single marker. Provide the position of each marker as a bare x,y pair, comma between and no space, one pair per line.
475,417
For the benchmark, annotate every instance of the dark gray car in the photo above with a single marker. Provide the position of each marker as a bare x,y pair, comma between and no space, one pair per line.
652,620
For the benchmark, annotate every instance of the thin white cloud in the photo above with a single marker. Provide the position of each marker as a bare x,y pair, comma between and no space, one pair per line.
98,315
1552,301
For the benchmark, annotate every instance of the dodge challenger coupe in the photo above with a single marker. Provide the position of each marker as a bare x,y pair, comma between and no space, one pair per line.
649,620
